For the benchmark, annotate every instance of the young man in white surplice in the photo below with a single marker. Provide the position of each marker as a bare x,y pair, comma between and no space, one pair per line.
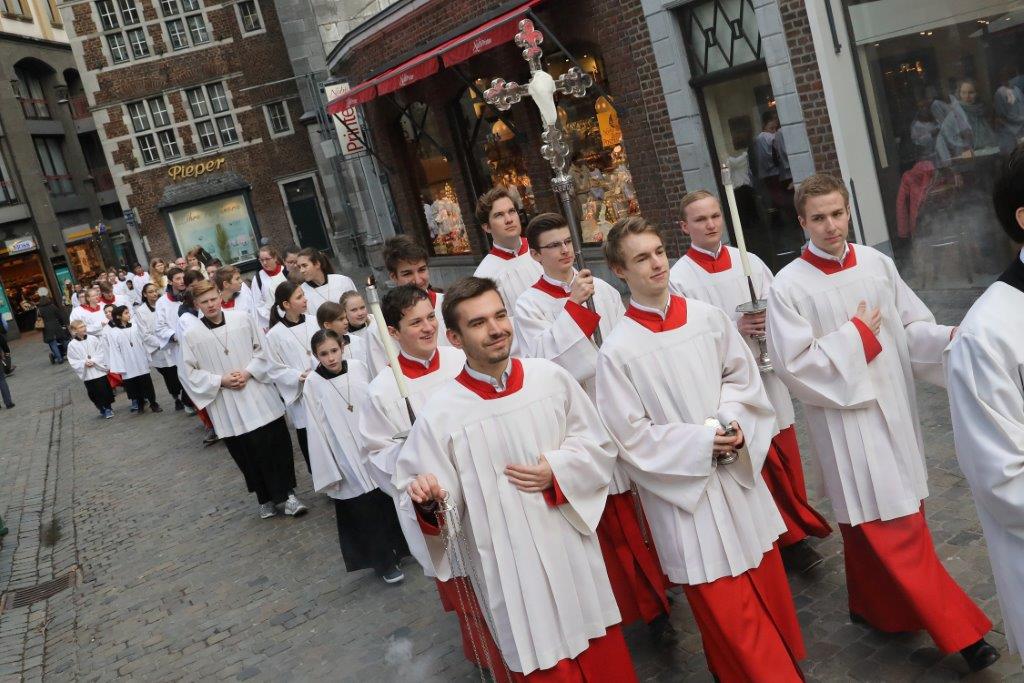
518,452
985,367
228,371
405,259
508,262
849,337
319,280
668,377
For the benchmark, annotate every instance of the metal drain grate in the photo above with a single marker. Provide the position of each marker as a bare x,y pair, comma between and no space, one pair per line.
23,597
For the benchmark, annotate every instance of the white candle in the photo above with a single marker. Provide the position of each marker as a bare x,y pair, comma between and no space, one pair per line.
730,198
385,338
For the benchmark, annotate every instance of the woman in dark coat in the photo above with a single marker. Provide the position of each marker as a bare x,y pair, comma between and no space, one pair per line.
55,322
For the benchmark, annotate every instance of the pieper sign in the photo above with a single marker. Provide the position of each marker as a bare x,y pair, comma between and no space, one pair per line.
179,171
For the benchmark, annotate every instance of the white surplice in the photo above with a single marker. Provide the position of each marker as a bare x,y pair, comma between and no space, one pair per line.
985,368
546,592
331,290
95,320
159,355
655,390
335,449
91,348
233,412
263,287
862,417
127,353
384,416
727,290
513,273
289,346
165,327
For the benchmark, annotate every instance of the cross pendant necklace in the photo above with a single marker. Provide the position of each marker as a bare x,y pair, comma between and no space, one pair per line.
222,344
304,347
347,399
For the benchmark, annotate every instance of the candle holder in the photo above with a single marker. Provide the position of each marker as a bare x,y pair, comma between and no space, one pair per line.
725,458
764,363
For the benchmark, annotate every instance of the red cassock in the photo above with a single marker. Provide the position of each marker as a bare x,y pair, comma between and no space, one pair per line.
749,625
637,579
896,583
784,474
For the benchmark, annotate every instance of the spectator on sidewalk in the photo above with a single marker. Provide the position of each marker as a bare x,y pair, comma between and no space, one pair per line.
55,323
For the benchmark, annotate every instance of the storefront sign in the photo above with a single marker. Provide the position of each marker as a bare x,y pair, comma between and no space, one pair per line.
129,219
179,171
20,245
222,227
77,232
350,133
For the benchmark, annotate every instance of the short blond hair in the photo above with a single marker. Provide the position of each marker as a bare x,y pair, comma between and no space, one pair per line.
819,185
623,228
693,198
201,287
75,324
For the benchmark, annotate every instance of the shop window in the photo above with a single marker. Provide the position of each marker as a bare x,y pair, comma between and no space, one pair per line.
223,227
600,167
31,95
249,16
944,99
215,125
433,174
55,170
493,147
155,138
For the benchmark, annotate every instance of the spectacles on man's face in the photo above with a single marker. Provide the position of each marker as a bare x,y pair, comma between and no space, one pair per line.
564,244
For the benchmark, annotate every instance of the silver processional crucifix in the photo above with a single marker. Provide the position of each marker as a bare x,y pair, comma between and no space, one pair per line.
541,89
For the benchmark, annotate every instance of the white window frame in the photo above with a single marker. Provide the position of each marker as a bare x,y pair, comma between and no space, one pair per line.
153,131
209,117
270,119
117,35
259,14
133,45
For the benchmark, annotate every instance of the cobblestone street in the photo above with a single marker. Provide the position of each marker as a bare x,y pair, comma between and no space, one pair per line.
176,578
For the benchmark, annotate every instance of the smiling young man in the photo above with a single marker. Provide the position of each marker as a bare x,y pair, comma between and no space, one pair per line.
406,262
667,371
516,448
849,337
552,322
713,273
508,262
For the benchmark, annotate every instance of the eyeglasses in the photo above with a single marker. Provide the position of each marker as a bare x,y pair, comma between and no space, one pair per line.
564,244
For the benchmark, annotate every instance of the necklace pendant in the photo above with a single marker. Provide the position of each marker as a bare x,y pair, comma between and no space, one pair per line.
350,407
225,352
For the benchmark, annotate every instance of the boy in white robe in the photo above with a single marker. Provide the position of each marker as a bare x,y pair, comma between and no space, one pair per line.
228,372
986,397
406,262
508,262
713,273
334,394
87,357
848,337
518,453
552,322
668,377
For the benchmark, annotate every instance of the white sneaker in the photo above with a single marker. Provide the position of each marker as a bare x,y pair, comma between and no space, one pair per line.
268,510
294,507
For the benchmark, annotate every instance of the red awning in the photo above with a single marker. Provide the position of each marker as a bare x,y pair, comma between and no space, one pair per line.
477,40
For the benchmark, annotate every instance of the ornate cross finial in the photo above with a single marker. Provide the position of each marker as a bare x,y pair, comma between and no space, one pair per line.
530,39
574,82
503,94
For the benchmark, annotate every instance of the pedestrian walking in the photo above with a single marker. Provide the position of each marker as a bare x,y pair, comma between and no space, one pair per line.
55,325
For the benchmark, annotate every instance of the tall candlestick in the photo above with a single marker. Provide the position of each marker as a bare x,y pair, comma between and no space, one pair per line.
373,298
730,197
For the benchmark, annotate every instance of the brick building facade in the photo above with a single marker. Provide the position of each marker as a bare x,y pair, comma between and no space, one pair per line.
199,117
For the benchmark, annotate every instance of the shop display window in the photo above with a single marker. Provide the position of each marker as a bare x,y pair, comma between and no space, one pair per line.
223,227
433,174
943,86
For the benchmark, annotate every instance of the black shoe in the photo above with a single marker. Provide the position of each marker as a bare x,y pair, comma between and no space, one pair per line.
9,406
858,619
800,557
393,575
980,656
178,405
662,632
155,407
10,371
210,438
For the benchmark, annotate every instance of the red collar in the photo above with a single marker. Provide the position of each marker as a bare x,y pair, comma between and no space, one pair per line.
170,297
502,254
111,300
414,370
551,290
91,309
710,263
486,390
676,316
828,266
228,304
274,273
432,295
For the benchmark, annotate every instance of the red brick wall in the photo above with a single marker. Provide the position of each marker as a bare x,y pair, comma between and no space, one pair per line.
619,33
808,85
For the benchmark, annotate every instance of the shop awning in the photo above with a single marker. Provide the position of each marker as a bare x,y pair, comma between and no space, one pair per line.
479,39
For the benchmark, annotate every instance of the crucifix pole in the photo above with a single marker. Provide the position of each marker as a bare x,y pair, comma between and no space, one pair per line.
541,89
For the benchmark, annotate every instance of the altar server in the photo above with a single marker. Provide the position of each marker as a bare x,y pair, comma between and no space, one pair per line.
363,327
406,262
87,357
228,372
508,262
128,356
986,397
319,280
668,369
291,330
331,316
264,283
160,357
848,337
552,322
235,295
368,528
90,312
518,451
713,273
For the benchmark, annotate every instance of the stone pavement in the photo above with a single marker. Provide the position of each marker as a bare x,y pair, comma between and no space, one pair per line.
181,580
